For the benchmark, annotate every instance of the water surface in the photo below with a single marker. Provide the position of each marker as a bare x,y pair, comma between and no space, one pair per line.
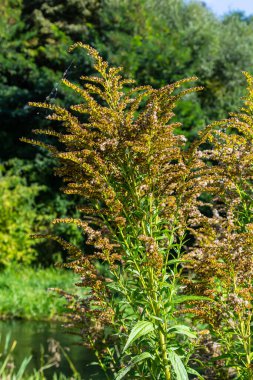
33,337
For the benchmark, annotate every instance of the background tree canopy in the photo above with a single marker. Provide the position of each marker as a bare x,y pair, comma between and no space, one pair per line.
157,42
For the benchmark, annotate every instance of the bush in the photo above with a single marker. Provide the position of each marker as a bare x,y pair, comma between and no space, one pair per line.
27,207
17,218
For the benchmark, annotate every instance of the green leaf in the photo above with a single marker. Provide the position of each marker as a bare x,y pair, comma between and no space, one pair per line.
181,299
140,329
131,364
157,318
224,356
23,367
114,286
178,366
194,372
184,330
177,261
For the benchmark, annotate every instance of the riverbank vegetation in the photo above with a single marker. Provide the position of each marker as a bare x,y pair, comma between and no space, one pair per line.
25,292
162,235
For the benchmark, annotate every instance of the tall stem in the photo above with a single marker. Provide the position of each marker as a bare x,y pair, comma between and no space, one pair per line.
164,355
161,328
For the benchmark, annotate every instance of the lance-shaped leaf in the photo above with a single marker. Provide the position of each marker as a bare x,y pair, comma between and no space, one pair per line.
131,364
182,329
194,372
140,329
178,366
189,298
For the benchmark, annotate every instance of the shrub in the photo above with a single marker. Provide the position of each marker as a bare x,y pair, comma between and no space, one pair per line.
17,218
28,207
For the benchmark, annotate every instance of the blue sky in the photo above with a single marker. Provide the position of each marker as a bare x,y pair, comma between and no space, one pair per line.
223,6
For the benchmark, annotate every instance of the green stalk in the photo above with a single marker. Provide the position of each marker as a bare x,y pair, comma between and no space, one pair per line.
245,333
161,328
164,355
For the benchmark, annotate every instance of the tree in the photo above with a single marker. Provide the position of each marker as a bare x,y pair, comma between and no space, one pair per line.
33,60
163,41
35,38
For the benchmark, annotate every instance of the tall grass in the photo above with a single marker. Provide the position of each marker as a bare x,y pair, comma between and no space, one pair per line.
24,292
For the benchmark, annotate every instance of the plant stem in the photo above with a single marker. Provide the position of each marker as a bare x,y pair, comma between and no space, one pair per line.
164,355
162,338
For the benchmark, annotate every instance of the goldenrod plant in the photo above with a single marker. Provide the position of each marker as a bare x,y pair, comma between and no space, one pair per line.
157,215
222,260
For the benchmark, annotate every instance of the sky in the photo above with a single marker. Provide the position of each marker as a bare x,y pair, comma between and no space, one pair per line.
224,6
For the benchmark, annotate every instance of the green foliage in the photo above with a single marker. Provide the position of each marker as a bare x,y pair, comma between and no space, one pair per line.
17,218
72,18
225,85
34,40
33,300
25,210
35,36
140,329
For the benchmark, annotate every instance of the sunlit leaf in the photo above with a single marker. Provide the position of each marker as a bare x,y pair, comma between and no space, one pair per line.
184,330
178,366
131,364
140,329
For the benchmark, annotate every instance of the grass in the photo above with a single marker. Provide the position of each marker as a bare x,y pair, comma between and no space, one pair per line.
24,292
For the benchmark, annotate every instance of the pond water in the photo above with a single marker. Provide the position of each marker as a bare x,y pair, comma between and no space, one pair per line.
32,336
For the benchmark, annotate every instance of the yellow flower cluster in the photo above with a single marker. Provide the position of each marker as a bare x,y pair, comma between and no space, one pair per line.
143,188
